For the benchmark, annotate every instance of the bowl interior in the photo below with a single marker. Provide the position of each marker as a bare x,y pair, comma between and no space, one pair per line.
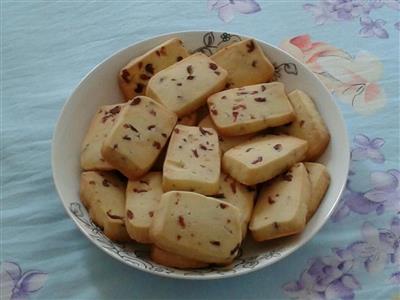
100,87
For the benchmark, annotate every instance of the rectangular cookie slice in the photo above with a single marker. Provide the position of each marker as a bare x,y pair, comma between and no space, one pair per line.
197,227
320,180
100,126
189,120
225,142
173,260
133,78
238,195
193,161
281,207
185,86
250,109
142,198
103,195
245,62
138,136
262,158
308,125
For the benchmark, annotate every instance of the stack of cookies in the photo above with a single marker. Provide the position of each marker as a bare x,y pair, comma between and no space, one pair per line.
203,150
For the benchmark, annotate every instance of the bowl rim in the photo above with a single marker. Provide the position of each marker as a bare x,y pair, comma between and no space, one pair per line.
261,265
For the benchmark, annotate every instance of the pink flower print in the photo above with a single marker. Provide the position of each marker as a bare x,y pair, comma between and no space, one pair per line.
352,79
310,52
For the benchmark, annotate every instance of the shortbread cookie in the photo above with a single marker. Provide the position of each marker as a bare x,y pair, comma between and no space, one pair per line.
250,109
133,78
197,227
262,158
225,142
142,198
185,86
238,195
193,161
281,207
308,125
169,259
188,120
103,195
245,62
320,179
100,126
138,136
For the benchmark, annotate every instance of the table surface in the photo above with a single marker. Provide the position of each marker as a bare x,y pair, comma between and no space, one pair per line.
47,47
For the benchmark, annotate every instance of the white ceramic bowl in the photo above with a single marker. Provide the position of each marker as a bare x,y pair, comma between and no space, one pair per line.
100,87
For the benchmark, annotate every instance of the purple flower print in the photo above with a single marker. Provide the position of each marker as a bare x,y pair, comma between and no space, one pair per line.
395,278
227,8
354,202
393,4
397,25
386,189
330,277
367,149
350,10
370,28
357,203
375,4
299,290
341,212
324,278
378,247
373,251
345,10
342,288
15,285
321,13
339,10
392,239
384,196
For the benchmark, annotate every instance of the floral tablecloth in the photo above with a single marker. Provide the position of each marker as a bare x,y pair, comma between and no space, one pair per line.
47,47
